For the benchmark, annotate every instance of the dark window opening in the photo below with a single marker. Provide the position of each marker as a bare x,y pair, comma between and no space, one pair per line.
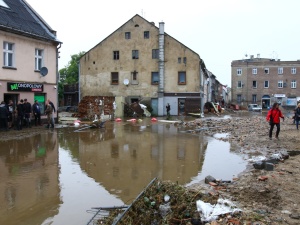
154,78
135,54
127,35
146,35
181,78
114,78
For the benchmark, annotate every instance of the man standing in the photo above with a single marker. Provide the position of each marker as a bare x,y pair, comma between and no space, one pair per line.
3,116
20,114
37,113
49,112
53,107
168,107
27,111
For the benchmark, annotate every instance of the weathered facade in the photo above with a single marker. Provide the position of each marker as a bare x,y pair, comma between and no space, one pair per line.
139,61
30,53
265,81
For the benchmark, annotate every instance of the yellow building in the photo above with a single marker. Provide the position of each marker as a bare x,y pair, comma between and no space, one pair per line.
139,61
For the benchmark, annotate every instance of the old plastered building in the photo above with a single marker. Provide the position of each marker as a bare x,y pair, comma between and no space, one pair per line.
139,61
265,81
30,55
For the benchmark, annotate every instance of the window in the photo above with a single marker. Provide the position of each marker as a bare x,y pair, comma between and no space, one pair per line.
134,77
239,98
266,70
239,84
114,78
116,55
239,71
181,77
254,98
179,60
154,78
135,54
280,70
8,54
280,84
254,84
155,53
127,35
184,60
254,71
38,59
146,34
293,70
293,84
266,84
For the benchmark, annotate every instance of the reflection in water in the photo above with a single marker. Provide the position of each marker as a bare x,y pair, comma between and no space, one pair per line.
29,179
101,167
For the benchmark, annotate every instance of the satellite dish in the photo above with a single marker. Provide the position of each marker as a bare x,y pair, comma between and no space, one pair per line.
126,81
44,71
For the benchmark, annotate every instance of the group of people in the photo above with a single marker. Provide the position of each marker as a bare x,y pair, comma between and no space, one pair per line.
274,115
20,116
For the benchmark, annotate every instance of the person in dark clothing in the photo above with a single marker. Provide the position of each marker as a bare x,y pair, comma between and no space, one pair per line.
37,113
11,113
297,116
168,107
3,116
20,114
27,113
273,116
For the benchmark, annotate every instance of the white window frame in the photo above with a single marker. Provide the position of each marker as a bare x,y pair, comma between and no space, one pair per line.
8,54
254,71
239,71
39,59
266,70
268,84
239,84
293,70
280,84
280,70
293,84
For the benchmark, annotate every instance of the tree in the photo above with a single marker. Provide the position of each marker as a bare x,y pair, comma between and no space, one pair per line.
69,74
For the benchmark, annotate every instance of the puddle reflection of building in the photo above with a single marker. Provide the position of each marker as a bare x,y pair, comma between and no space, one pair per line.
29,179
124,165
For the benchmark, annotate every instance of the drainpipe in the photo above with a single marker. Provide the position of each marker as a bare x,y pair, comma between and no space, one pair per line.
57,78
161,67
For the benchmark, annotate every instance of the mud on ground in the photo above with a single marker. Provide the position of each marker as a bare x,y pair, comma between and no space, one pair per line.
272,200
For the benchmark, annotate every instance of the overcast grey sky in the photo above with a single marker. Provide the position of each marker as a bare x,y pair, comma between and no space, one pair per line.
218,30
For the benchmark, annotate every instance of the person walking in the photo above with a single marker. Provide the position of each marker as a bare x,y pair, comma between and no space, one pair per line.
27,112
168,107
11,113
49,112
273,116
297,116
37,113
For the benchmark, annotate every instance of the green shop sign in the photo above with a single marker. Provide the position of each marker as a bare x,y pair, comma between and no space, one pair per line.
25,87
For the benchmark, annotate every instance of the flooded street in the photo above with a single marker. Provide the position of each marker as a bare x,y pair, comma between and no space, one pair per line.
56,178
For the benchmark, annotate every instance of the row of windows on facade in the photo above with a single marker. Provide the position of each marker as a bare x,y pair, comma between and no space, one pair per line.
280,83
135,55
239,98
154,78
267,70
9,56
146,35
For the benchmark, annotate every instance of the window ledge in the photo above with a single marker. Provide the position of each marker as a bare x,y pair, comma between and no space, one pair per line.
9,67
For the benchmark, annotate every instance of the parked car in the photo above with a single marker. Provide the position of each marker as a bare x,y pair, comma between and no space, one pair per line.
254,107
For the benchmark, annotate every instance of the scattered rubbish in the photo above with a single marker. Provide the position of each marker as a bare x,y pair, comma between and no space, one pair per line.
118,119
153,119
209,212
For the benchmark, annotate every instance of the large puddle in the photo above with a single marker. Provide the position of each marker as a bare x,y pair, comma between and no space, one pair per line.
57,177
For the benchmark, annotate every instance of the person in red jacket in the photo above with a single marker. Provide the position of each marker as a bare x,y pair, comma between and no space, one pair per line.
273,116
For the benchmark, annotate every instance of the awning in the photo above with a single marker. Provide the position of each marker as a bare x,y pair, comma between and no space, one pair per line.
266,97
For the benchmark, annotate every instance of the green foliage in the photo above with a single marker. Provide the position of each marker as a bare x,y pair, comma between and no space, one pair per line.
69,74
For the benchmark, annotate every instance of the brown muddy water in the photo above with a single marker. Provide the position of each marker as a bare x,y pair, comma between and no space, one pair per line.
56,178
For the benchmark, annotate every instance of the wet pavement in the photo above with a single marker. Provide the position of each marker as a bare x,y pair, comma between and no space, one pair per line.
55,178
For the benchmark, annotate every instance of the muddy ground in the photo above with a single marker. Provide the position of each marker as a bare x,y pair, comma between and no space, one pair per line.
265,197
